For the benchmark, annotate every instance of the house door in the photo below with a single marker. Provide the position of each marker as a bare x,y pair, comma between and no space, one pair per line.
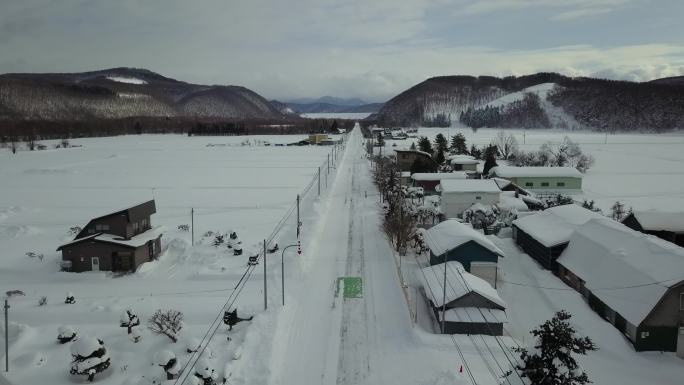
95,262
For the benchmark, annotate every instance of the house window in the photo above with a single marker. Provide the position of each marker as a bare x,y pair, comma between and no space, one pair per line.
102,227
91,230
135,226
545,184
143,223
681,301
153,248
529,184
560,184
644,335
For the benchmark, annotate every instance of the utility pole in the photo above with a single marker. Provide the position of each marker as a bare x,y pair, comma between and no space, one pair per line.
328,163
298,222
444,293
319,181
265,287
192,225
6,307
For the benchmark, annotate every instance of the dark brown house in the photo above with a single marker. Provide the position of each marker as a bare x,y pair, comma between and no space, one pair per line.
119,242
665,225
405,158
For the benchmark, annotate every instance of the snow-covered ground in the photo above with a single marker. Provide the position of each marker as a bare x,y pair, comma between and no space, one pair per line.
641,170
233,183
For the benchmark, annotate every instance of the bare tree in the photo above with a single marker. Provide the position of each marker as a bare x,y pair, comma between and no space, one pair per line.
506,143
166,322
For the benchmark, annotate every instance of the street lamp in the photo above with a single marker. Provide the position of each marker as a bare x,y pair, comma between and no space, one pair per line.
282,269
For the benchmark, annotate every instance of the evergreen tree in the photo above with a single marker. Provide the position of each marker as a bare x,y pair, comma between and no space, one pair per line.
458,144
439,158
441,143
423,165
552,361
490,159
413,146
425,145
475,152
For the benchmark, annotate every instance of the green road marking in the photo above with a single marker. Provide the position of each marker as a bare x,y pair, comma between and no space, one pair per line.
353,287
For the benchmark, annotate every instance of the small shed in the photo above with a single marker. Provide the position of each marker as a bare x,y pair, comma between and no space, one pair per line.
544,235
633,280
463,163
430,180
663,224
459,195
472,306
546,179
452,240
318,138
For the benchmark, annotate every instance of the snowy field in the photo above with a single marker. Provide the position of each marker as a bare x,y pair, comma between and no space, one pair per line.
233,183
337,115
644,171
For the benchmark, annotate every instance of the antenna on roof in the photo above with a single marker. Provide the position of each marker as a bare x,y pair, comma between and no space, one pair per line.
153,193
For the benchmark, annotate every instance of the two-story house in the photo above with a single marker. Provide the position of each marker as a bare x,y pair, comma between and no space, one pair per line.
120,241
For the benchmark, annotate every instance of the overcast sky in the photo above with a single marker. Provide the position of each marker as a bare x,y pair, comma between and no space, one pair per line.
371,49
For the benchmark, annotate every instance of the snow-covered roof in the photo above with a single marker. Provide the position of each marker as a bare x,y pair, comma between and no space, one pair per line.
653,220
469,185
136,241
549,172
459,284
474,315
462,159
627,270
406,174
438,175
510,202
554,226
451,233
416,151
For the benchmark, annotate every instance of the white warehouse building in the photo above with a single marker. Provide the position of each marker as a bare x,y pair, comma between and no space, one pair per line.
459,194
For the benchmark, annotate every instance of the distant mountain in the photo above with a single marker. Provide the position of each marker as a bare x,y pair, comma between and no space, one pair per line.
350,102
539,100
312,108
122,93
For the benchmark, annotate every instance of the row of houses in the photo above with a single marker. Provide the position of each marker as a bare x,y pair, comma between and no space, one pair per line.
466,260
630,273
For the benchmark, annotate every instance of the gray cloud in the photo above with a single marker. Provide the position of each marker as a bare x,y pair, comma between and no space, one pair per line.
365,48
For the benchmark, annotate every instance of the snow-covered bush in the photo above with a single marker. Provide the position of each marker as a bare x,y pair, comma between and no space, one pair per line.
205,374
89,357
218,240
192,345
31,254
129,320
73,231
70,298
184,228
166,322
168,361
65,334
42,301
